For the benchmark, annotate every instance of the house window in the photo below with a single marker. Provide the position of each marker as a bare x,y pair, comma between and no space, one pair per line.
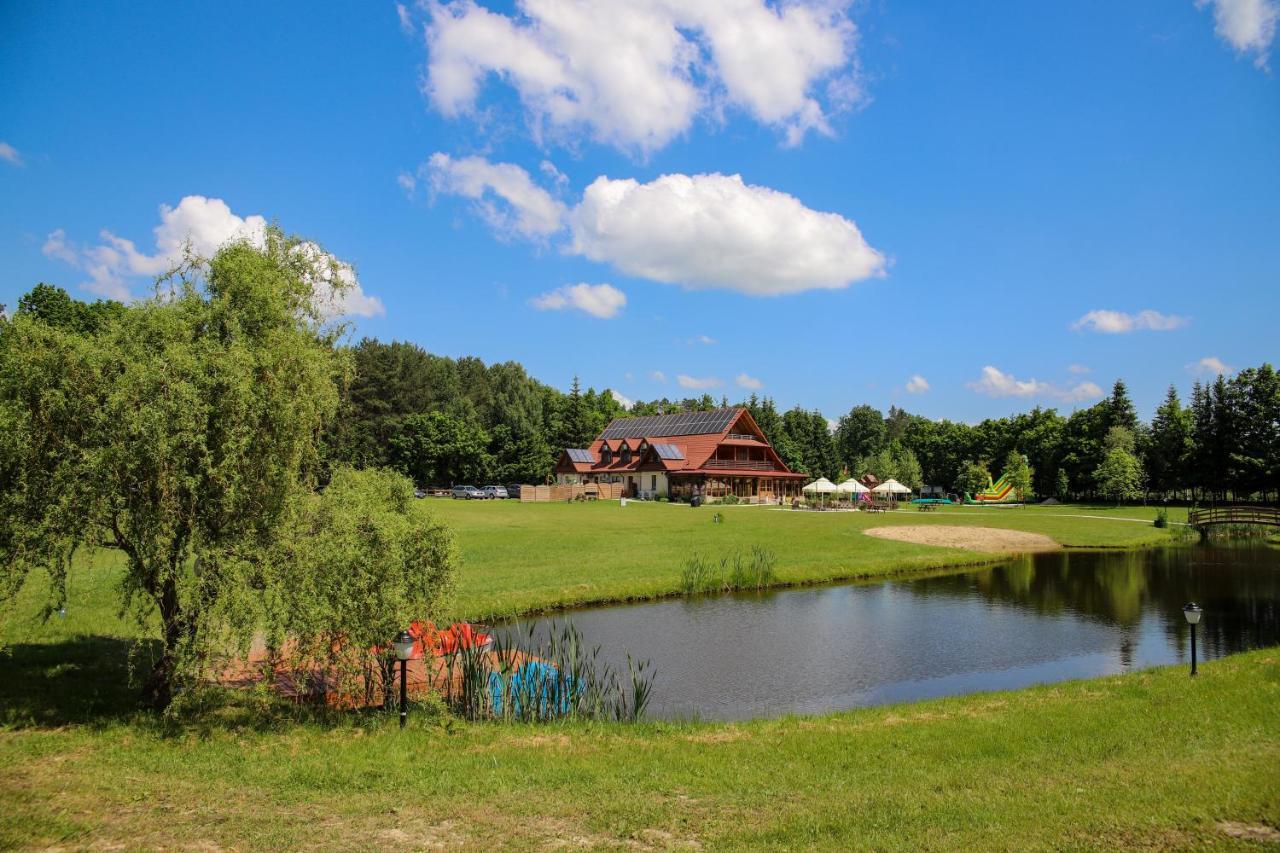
606,456
653,483
626,455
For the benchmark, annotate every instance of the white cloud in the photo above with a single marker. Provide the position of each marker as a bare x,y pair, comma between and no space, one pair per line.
917,384
1079,369
504,194
1118,322
11,155
698,383
996,383
658,376
1249,26
624,402
705,340
700,231
406,19
748,382
636,75
714,231
598,300
1210,366
204,224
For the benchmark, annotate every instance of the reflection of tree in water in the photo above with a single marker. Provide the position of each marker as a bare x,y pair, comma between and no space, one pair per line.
1238,587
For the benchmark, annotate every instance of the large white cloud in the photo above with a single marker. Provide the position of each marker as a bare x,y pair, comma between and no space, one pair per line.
1118,322
505,195
636,75
996,383
1249,26
598,300
715,231
204,224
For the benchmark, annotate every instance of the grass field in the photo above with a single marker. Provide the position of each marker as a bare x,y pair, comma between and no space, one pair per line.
522,558
1148,760
1152,759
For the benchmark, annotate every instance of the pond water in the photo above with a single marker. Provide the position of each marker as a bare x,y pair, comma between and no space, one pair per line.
1036,618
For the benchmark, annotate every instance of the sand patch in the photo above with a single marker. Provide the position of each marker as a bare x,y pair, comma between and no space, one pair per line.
991,539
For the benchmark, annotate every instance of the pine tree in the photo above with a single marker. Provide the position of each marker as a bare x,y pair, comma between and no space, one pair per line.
1169,452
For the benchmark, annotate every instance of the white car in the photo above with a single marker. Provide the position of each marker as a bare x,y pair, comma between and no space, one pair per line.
494,492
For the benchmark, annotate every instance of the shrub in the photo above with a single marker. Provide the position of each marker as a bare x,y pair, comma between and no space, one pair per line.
1162,517
729,500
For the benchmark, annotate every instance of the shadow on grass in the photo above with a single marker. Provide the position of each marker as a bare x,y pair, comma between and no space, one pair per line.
87,681
83,681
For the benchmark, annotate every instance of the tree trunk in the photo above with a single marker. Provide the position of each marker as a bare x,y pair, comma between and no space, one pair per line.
158,690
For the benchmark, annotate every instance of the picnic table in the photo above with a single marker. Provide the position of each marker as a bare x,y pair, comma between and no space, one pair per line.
926,507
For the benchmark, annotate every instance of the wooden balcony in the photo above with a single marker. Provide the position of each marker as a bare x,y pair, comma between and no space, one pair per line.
738,436
741,465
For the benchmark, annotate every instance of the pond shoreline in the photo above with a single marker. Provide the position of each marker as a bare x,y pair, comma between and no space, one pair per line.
903,573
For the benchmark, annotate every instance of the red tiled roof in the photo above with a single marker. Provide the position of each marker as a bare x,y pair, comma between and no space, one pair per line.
697,449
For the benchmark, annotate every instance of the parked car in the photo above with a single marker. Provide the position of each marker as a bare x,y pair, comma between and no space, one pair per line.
513,490
419,493
468,493
494,492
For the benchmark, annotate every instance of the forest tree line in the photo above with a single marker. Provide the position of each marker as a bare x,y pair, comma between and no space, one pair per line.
444,421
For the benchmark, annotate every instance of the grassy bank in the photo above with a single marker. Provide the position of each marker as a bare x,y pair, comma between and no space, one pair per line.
520,558
1152,759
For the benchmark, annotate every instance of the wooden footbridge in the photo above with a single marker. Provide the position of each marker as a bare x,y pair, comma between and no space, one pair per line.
1202,519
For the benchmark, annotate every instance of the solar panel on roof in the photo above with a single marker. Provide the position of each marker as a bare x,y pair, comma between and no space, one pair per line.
577,454
686,423
668,451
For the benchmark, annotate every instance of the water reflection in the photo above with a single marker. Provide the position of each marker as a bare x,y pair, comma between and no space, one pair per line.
1036,618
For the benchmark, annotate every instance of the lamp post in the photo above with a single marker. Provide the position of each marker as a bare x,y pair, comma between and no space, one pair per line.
403,644
1192,611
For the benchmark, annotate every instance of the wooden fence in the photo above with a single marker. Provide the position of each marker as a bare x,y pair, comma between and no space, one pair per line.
587,491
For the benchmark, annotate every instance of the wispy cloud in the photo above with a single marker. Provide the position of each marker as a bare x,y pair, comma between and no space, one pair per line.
1079,369
11,155
1119,323
624,402
996,383
658,376
598,300
695,383
917,384
1210,366
748,382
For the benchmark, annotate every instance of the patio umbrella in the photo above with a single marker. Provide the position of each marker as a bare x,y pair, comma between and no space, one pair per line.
851,487
820,486
892,488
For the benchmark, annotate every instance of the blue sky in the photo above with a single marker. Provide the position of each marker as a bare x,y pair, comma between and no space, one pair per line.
983,196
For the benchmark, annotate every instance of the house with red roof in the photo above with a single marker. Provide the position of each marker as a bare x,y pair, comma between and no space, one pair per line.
711,454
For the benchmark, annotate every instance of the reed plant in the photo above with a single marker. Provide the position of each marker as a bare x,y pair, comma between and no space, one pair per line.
737,571
523,678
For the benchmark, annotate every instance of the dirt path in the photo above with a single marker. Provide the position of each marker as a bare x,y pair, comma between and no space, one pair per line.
990,539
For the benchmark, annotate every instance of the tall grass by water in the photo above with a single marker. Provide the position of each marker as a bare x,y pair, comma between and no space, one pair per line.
738,571
523,678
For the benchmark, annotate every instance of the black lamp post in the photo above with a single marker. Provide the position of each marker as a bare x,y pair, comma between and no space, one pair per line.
403,644
1192,612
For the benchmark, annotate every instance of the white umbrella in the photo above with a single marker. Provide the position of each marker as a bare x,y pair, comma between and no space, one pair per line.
851,487
821,486
891,487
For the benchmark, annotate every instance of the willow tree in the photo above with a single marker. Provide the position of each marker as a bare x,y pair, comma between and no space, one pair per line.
183,432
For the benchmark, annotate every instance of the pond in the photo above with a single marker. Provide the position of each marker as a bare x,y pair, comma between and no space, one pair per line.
1037,618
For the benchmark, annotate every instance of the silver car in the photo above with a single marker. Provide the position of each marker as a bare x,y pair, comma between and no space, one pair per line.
494,492
468,493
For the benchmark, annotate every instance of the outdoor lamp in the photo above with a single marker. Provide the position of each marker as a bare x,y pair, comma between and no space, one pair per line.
403,644
1192,611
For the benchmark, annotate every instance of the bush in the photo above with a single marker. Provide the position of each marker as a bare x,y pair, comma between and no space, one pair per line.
729,500
1162,517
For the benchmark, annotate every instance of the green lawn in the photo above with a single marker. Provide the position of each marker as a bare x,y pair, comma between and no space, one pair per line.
1152,759
525,557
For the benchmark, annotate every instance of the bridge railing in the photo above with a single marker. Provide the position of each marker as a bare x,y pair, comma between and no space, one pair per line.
1234,515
